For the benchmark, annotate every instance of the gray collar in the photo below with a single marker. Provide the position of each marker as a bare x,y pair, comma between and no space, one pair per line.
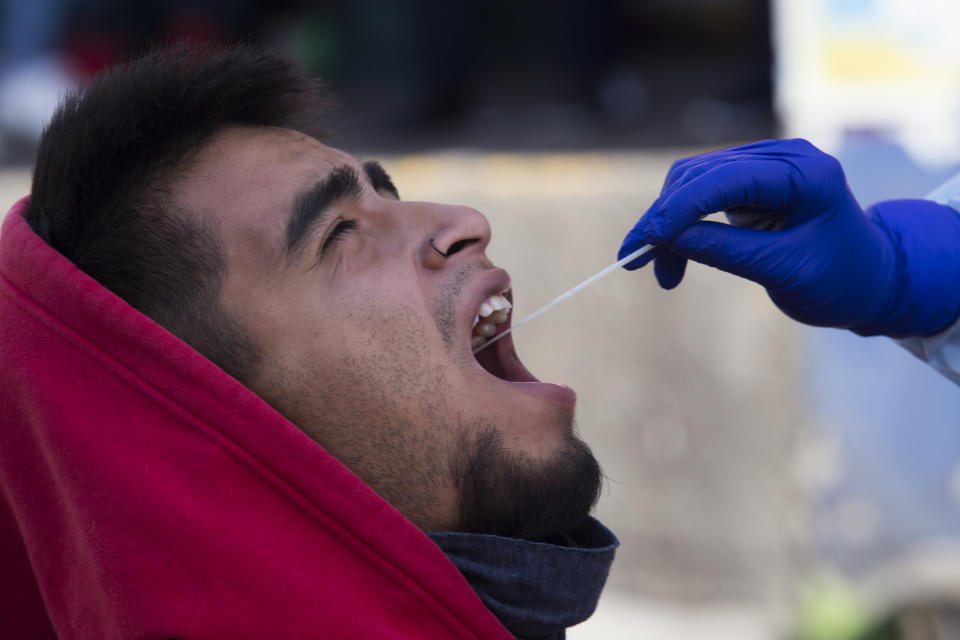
535,589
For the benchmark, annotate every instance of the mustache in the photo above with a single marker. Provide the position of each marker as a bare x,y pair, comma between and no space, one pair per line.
450,299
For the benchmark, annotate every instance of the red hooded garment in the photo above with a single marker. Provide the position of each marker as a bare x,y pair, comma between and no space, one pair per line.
144,493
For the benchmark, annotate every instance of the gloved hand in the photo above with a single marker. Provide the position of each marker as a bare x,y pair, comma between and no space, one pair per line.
797,230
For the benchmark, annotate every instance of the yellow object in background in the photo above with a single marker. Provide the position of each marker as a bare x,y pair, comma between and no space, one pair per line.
889,67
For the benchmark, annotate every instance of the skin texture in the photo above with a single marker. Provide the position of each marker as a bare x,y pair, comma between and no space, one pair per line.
367,347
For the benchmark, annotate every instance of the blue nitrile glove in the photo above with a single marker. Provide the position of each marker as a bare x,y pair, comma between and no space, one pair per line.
797,230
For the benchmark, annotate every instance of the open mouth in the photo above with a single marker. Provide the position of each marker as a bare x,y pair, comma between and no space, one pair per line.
500,359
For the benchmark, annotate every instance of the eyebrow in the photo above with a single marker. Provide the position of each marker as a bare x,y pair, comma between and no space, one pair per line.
379,178
312,206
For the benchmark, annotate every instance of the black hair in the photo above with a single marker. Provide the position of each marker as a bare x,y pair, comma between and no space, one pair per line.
107,163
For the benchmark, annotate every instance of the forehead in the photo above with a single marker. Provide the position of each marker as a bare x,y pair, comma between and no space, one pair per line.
246,150
247,179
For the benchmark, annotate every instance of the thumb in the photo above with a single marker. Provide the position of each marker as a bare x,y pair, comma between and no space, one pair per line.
748,253
669,269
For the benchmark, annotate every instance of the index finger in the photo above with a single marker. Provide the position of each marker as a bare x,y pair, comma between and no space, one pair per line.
689,167
763,183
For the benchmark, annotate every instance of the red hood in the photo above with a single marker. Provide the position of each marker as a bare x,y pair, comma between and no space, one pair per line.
144,493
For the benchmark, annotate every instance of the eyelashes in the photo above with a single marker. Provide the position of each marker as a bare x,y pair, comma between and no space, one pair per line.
340,229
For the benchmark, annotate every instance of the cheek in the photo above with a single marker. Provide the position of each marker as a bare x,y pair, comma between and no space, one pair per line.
376,382
391,342
375,335
401,357
384,314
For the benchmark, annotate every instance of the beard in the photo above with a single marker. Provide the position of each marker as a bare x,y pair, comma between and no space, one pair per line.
515,495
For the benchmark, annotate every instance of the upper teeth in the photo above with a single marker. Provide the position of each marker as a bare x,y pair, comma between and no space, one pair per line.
493,311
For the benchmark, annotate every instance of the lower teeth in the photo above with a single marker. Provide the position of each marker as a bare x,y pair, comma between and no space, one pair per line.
485,329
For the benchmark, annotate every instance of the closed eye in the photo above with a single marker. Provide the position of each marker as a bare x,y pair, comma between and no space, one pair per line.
340,229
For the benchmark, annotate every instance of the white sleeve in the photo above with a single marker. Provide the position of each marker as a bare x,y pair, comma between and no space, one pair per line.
941,350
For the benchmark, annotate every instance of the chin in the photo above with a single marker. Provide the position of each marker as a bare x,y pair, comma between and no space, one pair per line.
522,495
540,432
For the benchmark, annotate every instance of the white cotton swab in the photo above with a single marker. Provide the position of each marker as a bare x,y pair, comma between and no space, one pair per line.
583,285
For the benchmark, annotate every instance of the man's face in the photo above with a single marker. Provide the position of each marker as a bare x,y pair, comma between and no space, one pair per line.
365,331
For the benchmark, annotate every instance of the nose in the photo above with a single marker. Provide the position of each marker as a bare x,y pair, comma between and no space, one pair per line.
452,233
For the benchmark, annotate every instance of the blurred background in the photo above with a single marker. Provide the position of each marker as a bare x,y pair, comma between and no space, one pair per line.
767,480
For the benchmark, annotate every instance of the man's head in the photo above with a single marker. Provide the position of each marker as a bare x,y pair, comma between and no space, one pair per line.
197,188
108,164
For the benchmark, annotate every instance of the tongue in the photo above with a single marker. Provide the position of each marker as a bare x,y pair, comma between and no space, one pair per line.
501,360
490,359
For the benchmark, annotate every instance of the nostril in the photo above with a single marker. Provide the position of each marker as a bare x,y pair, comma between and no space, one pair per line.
460,245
